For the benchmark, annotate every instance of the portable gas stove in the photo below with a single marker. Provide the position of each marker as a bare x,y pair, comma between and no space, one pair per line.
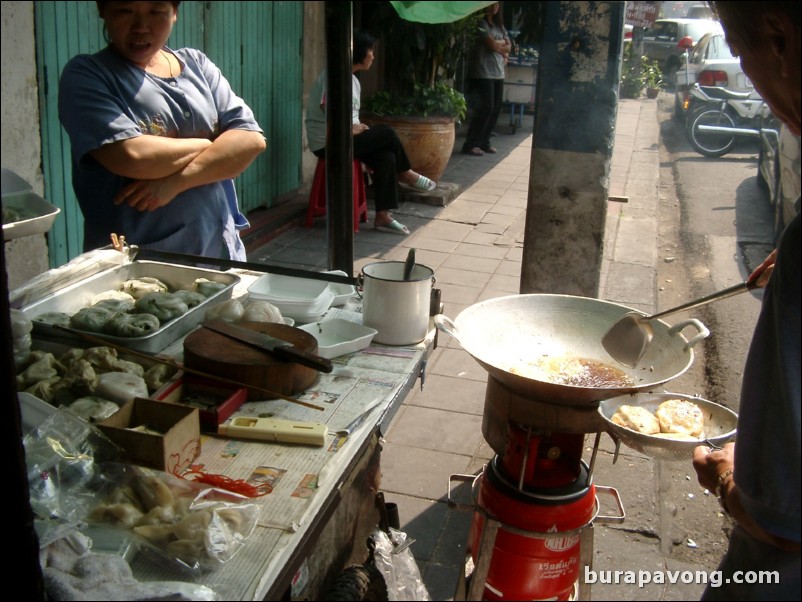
535,503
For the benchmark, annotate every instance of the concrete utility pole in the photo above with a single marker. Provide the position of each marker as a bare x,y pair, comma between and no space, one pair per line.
576,105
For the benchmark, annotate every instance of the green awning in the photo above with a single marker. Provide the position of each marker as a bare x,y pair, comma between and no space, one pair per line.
437,12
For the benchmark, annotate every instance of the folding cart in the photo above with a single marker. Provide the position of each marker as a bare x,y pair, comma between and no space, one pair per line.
519,89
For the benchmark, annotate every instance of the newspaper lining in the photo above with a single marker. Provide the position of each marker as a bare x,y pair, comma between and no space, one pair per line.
300,476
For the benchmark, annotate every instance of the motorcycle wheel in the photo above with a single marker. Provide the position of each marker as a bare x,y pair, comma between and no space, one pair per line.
707,144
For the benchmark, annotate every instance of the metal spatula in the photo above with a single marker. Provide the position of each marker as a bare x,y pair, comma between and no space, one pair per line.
409,265
626,340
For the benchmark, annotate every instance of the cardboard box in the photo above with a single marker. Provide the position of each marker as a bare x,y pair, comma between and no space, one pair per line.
215,401
170,443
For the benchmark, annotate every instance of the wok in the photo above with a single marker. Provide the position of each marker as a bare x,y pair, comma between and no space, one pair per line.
509,332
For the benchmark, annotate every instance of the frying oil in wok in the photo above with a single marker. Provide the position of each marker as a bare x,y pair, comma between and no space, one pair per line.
575,372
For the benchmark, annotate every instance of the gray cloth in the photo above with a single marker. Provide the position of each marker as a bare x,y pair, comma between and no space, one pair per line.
486,64
745,553
103,99
316,110
768,449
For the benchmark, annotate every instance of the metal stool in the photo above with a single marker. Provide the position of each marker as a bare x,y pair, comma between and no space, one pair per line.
317,195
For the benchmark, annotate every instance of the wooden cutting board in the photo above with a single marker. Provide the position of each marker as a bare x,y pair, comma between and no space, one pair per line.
219,355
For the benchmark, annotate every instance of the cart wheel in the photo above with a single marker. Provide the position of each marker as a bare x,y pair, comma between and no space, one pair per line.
358,582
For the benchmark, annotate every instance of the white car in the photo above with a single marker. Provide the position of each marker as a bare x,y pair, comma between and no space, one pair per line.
778,169
662,41
710,64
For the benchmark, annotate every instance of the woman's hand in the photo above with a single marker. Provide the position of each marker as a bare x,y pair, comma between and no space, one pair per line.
358,128
147,195
227,157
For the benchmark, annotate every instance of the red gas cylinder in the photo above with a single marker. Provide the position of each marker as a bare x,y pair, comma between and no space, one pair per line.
530,565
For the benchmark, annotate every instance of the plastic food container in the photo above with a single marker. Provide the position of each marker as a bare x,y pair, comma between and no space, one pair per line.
302,299
287,289
34,411
342,292
338,337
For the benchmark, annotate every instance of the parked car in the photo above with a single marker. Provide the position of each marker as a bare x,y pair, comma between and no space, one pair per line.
671,10
778,169
699,11
710,63
661,41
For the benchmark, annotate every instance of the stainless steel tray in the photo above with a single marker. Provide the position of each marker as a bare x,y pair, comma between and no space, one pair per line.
78,295
37,215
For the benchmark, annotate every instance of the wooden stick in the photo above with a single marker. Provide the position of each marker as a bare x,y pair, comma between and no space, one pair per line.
180,366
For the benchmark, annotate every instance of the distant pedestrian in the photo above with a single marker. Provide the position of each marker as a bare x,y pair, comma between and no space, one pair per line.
486,80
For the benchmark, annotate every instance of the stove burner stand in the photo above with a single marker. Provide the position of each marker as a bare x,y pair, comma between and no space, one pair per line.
534,503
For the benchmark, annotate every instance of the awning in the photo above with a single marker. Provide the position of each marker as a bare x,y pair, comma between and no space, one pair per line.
437,12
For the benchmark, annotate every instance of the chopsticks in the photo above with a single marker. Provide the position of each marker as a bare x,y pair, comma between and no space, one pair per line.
180,366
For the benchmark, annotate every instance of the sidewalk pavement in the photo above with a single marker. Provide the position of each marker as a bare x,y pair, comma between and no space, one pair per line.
474,244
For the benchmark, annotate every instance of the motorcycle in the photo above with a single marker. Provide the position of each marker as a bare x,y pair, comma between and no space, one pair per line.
719,117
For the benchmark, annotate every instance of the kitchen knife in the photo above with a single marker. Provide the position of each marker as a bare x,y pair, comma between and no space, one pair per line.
263,341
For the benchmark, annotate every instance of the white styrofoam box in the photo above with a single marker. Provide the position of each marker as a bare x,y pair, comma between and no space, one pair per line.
287,289
342,292
338,337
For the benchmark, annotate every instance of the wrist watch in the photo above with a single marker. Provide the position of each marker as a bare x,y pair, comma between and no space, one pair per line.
720,483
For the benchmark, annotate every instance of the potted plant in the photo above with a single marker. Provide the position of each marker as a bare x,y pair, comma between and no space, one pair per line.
631,84
652,77
418,98
638,73
439,100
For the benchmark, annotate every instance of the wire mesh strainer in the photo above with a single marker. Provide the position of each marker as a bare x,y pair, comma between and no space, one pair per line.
720,425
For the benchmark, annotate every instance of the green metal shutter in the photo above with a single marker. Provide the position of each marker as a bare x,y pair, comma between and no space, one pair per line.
255,44
286,89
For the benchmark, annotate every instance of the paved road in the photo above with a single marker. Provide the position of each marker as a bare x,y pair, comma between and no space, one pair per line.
714,228
725,231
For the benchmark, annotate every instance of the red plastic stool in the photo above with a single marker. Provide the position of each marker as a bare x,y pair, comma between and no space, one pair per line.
317,195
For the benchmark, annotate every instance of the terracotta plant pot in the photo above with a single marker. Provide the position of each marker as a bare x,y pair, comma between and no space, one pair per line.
428,141
652,92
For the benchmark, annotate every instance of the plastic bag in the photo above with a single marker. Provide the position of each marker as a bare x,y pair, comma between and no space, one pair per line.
80,268
394,560
73,570
193,525
63,455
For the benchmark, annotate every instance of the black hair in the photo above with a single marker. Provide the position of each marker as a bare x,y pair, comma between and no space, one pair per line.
363,42
498,18
102,3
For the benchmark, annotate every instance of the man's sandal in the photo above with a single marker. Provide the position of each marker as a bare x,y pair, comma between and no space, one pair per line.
475,151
